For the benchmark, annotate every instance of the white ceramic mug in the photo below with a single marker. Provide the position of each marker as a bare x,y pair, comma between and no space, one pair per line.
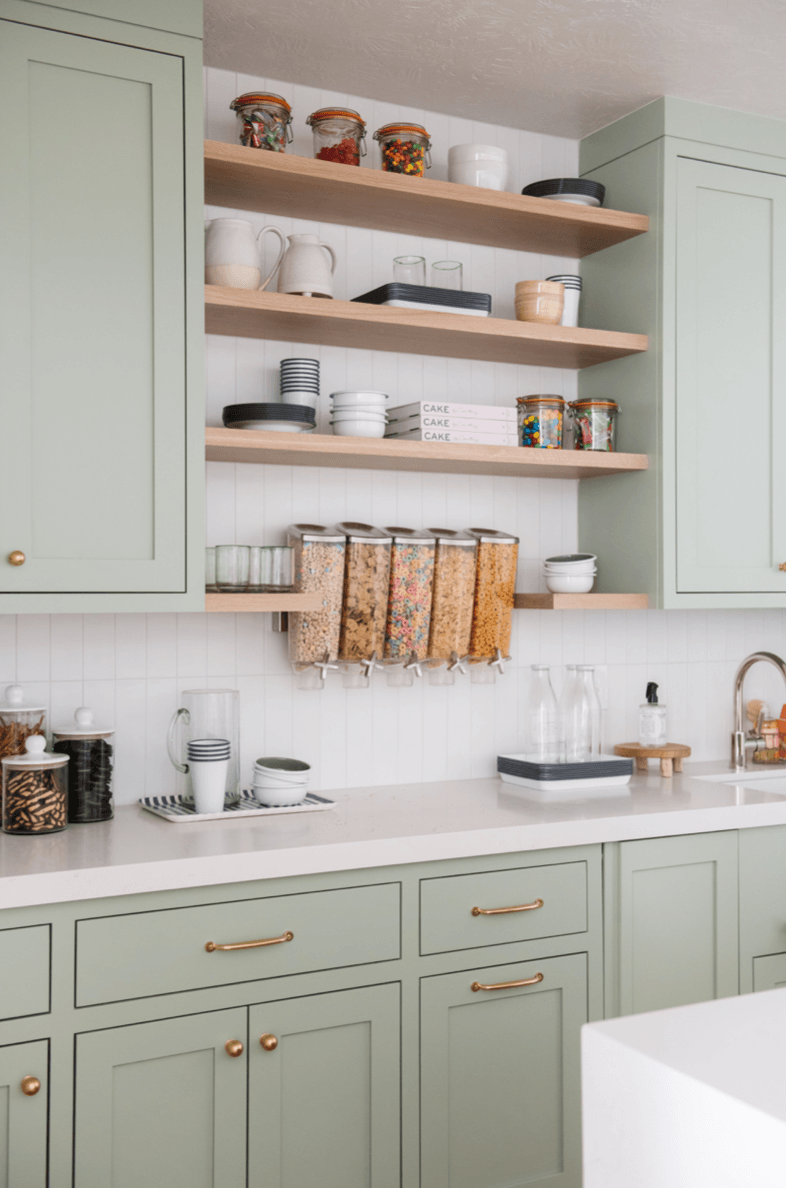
233,254
305,269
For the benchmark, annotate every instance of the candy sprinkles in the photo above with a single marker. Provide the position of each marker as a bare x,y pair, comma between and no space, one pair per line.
405,148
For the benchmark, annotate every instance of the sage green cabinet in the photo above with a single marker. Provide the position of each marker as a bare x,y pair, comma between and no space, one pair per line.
500,1075
762,905
162,1104
24,962
23,1118
671,927
100,380
707,402
324,1103
769,973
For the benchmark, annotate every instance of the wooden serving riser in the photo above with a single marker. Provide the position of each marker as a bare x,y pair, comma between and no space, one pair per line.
671,756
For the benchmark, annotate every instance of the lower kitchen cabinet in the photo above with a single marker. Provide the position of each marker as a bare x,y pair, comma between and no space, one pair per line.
162,1104
325,1090
500,1102
762,907
671,922
24,1114
769,973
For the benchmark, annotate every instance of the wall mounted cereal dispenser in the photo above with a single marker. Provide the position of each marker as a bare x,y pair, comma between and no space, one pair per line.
319,569
495,585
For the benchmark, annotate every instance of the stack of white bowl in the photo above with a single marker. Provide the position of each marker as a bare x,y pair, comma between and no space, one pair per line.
573,573
358,414
280,782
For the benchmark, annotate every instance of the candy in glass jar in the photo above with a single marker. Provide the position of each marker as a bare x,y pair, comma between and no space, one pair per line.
339,135
406,148
594,424
265,121
541,421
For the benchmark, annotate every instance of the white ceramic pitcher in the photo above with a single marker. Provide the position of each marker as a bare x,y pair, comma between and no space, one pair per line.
305,269
233,254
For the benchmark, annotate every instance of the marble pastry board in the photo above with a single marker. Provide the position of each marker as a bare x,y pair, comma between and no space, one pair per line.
178,810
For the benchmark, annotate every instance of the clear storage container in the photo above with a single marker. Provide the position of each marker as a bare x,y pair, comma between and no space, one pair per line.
495,585
454,592
409,603
594,424
18,720
90,750
318,569
35,789
406,148
339,135
366,585
265,120
541,421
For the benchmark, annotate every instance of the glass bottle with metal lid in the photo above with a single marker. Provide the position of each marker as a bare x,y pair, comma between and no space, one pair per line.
90,749
451,607
318,554
35,789
495,586
406,148
339,135
265,120
18,720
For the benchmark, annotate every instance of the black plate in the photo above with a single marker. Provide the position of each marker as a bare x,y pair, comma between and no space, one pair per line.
566,185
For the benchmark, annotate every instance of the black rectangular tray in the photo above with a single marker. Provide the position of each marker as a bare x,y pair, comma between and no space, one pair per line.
591,770
425,294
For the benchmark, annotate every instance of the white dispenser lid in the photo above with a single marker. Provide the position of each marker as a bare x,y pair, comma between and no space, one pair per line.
83,726
36,755
15,702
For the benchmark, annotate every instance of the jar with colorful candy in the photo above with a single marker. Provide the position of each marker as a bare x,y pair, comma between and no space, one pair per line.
541,421
265,121
406,148
339,135
594,424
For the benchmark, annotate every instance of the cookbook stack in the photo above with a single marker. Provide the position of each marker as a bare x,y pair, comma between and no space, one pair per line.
464,424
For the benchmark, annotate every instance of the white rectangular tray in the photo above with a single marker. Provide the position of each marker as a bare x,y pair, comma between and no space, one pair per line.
177,810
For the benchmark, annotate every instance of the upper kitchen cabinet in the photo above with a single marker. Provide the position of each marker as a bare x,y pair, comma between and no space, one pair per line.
101,388
705,526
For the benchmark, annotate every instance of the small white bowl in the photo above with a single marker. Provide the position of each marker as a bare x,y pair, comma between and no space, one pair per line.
349,399
570,570
359,428
355,414
566,583
280,797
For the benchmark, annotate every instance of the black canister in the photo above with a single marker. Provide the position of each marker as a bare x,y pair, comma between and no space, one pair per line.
90,749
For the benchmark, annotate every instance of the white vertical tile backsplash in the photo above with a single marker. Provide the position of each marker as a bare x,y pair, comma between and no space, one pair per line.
131,668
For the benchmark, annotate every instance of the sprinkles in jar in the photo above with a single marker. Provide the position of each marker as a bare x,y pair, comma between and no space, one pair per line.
406,148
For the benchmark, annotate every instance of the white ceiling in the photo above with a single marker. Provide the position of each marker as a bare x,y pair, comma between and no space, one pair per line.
564,67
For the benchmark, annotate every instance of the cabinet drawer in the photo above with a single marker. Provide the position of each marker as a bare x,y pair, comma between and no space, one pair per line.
160,952
769,973
24,961
463,911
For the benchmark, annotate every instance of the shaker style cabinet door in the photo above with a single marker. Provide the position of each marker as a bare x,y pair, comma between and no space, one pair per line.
92,317
24,1091
731,379
325,1090
162,1105
500,1095
671,922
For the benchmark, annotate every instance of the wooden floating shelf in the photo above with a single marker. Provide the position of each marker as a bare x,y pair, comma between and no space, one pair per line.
246,313
374,453
302,187
262,602
580,602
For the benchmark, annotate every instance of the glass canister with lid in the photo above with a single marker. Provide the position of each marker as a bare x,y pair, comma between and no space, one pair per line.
339,135
451,606
35,789
406,148
366,585
409,604
265,120
319,569
18,720
541,421
594,424
90,750
495,586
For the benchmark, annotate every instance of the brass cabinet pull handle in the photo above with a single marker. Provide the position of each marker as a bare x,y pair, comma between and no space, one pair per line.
507,985
234,1048
522,907
17,557
212,947
268,1042
30,1086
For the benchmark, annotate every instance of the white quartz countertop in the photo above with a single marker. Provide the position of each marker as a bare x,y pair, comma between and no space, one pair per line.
381,826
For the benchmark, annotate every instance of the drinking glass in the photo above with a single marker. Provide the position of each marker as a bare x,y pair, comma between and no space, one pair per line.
447,274
232,562
276,568
409,270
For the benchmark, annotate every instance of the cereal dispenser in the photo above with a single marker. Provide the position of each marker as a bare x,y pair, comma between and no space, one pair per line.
409,603
319,569
364,614
495,584
451,608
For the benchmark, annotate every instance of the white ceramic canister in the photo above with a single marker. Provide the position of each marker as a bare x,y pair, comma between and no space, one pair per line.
233,254
305,268
482,165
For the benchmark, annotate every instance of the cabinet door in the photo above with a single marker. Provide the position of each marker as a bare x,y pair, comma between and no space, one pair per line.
92,316
162,1104
324,1103
23,1118
500,1098
769,973
731,379
671,922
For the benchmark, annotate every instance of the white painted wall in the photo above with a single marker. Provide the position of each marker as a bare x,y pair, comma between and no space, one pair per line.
132,667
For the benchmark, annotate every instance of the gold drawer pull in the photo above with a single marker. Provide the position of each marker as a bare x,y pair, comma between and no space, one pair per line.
508,985
522,907
30,1086
212,947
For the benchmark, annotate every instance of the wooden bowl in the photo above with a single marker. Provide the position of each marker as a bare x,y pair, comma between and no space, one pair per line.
540,301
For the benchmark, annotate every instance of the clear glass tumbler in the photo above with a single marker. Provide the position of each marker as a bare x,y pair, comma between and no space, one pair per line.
409,270
232,565
447,274
277,568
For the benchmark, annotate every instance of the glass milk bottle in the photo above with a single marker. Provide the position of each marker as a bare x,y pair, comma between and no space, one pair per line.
544,721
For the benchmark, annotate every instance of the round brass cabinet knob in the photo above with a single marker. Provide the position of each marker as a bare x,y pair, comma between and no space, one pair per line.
30,1086
234,1047
268,1042
782,567
17,557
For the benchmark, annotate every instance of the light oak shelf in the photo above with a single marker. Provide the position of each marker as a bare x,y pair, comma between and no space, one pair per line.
302,187
373,453
262,602
580,602
246,313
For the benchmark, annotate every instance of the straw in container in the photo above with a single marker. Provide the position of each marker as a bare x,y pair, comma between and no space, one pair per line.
409,602
495,585
318,569
454,590
366,585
